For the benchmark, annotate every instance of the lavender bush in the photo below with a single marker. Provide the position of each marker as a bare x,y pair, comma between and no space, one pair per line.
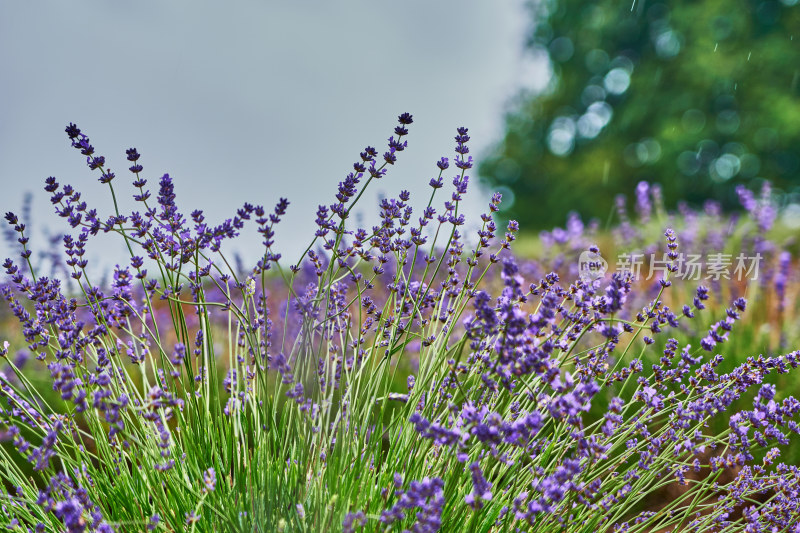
391,378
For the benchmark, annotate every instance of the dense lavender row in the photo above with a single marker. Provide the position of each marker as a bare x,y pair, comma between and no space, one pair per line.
396,377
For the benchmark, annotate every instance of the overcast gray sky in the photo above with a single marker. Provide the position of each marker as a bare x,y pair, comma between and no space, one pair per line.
250,100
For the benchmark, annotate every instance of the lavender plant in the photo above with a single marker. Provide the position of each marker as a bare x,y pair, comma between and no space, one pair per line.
375,383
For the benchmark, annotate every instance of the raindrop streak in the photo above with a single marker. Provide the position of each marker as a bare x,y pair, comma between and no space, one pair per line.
715,46
748,55
632,5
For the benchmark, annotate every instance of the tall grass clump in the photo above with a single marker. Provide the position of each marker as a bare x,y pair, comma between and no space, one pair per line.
391,378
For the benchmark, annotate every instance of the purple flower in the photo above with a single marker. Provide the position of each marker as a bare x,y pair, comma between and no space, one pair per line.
353,521
643,205
427,496
209,480
481,489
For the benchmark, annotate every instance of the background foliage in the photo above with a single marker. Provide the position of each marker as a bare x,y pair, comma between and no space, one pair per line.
697,96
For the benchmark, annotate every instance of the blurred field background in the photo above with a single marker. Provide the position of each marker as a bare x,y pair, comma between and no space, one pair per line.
697,96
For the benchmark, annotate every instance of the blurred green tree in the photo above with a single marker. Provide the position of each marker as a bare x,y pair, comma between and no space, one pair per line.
698,96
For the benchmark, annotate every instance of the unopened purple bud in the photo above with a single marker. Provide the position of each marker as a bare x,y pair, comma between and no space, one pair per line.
405,118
